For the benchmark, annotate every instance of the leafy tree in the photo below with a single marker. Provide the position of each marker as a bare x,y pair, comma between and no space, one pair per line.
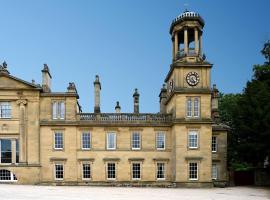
248,115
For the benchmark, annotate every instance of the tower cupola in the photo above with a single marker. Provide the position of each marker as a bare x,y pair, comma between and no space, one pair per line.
186,32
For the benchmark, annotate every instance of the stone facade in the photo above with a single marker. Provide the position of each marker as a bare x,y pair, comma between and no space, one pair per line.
45,138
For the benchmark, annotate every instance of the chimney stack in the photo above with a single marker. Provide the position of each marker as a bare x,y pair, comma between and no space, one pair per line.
136,96
46,79
117,108
71,88
97,87
162,99
214,103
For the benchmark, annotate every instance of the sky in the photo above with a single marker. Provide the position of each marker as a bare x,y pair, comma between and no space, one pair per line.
127,43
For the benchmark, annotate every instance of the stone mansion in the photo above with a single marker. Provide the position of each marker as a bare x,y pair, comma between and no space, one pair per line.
45,138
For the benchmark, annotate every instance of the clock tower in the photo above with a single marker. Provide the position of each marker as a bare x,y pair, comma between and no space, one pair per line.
189,101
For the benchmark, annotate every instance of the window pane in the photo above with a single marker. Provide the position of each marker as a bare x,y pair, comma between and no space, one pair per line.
160,171
86,141
54,110
196,107
86,171
59,171
58,140
136,143
160,141
5,175
111,139
189,107
5,110
136,170
6,151
214,171
193,171
214,143
111,170
62,110
193,139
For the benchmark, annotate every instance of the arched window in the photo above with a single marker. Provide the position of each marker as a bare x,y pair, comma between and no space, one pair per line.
7,176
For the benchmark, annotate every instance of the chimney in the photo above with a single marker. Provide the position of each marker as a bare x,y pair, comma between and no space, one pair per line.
97,87
136,96
214,103
162,99
46,79
117,107
71,88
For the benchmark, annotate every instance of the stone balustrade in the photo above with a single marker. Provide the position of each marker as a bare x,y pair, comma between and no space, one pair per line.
124,118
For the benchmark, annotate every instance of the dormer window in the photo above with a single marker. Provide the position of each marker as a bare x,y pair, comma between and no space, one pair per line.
58,108
5,110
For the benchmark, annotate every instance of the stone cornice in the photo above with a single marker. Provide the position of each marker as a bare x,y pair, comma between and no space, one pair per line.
59,94
220,127
187,91
176,65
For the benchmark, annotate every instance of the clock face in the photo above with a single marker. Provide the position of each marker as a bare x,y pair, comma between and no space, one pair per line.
192,78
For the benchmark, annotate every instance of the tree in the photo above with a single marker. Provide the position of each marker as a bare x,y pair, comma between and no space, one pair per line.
228,110
266,52
248,115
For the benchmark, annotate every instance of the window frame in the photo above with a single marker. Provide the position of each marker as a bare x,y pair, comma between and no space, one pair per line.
189,171
54,136
190,107
90,171
114,140
164,171
189,110
107,171
12,176
57,112
5,113
190,133
6,163
157,142
198,107
214,175
214,144
140,171
82,140
132,147
55,170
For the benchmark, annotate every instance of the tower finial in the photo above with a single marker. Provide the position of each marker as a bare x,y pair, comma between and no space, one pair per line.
186,7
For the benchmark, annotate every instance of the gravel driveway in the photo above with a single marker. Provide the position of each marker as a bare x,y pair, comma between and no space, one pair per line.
27,192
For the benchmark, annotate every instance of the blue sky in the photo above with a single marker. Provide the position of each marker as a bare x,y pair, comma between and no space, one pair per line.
127,43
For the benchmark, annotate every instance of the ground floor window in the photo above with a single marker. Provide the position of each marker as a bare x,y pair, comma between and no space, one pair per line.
6,151
136,171
111,175
214,171
59,171
160,171
6,175
86,171
193,171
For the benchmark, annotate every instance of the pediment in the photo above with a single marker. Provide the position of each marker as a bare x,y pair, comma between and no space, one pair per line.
10,82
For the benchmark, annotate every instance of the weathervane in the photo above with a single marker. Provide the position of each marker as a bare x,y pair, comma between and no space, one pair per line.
186,7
